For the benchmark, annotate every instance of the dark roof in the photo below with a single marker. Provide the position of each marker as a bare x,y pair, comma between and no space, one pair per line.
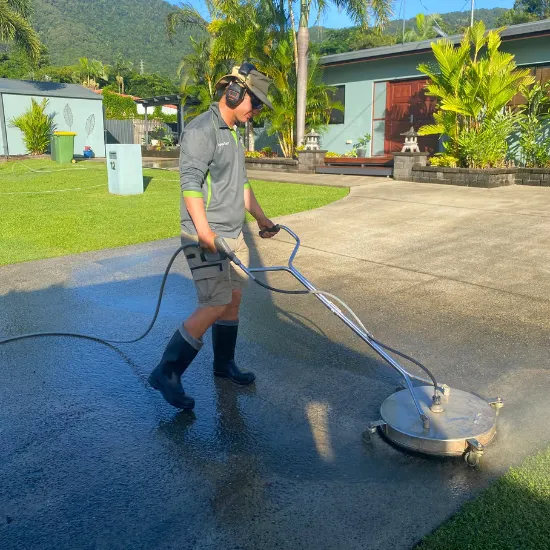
173,99
514,31
49,89
159,100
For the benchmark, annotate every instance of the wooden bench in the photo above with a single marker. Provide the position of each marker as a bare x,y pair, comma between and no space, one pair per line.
359,166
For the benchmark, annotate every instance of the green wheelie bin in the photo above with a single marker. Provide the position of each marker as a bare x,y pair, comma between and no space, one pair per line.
63,147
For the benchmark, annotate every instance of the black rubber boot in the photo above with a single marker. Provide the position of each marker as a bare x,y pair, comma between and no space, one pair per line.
224,338
166,377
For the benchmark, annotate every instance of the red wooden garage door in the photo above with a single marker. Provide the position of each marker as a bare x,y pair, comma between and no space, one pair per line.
406,106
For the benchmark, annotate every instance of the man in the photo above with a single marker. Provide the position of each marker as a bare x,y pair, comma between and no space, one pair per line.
216,193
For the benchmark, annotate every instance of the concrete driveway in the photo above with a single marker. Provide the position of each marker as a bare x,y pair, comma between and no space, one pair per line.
91,457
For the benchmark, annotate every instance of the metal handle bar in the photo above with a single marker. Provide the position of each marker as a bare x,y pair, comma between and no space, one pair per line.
223,248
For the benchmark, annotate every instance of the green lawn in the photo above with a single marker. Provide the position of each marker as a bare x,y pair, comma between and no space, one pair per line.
81,215
512,514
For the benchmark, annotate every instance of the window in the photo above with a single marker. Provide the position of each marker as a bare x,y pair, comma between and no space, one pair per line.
337,117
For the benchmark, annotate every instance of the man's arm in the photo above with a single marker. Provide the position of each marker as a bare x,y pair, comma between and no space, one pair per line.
253,206
195,207
197,151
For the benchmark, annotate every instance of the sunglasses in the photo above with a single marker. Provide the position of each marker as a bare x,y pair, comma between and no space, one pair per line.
257,105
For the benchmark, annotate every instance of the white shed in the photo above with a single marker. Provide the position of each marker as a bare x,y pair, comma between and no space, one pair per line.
74,107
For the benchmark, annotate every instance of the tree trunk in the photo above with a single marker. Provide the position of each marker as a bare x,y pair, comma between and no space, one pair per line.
250,130
303,43
294,42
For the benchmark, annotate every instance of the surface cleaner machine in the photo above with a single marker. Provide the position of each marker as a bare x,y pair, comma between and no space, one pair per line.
429,418
426,417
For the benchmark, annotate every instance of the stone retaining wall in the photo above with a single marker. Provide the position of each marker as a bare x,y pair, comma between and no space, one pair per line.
412,167
277,164
533,176
469,177
306,163
488,178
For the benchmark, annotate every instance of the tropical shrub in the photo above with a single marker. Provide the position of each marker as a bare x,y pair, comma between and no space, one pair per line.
487,145
534,127
473,84
37,127
447,161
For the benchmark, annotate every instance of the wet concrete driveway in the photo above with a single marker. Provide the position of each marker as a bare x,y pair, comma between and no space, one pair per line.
91,457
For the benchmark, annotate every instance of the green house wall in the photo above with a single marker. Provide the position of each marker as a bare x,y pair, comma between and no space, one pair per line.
359,78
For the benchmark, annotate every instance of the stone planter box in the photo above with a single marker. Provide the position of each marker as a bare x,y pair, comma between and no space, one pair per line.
533,176
308,161
277,164
489,177
468,177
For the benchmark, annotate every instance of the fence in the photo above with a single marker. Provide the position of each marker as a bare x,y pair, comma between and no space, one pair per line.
119,131
133,131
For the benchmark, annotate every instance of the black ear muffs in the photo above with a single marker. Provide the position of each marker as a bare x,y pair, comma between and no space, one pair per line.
236,91
234,94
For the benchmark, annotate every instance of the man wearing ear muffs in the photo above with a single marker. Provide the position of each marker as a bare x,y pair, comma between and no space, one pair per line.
216,193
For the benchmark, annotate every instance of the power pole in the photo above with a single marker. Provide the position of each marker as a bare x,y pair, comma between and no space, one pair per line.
141,71
404,6
472,14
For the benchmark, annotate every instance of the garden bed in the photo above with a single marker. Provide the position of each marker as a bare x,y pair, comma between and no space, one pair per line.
488,178
162,153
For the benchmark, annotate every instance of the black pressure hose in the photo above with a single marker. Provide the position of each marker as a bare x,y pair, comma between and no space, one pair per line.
222,247
97,338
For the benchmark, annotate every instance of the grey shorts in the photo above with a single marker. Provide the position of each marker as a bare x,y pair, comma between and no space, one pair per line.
215,278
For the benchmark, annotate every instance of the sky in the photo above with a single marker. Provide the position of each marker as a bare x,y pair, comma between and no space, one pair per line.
335,20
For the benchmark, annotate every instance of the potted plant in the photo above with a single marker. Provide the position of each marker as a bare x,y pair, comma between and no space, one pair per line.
88,152
362,144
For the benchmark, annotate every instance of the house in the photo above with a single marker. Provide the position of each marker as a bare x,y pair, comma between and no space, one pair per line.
74,108
383,91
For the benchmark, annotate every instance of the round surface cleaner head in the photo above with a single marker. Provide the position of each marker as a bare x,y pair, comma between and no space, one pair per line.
464,418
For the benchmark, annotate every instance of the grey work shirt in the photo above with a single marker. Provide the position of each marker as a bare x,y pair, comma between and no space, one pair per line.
212,166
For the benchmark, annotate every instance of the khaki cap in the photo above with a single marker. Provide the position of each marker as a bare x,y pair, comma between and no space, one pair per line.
255,81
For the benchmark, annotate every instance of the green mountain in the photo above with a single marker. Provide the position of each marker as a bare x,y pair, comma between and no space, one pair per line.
103,29
135,29
453,22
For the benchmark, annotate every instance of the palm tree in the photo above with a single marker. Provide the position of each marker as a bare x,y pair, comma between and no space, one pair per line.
121,67
424,27
234,32
360,11
15,26
282,120
258,31
90,71
243,29
199,72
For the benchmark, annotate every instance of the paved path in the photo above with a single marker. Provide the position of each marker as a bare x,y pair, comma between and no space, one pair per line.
333,180
90,457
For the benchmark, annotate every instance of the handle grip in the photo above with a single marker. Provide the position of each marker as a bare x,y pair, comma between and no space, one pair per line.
223,248
274,229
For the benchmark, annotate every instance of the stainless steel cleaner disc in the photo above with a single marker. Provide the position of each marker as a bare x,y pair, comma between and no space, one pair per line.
464,426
